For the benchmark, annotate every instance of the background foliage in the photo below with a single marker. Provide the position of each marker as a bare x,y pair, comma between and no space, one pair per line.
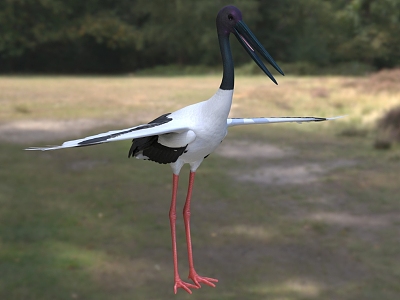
106,36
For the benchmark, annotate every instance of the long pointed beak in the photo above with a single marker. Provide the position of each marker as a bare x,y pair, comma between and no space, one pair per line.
251,44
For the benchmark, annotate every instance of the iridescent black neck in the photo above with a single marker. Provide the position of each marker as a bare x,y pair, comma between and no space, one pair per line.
228,77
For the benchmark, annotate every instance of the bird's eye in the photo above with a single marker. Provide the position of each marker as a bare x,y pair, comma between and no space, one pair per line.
230,17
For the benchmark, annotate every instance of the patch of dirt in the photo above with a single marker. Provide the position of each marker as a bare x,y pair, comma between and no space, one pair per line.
251,150
244,231
276,173
292,174
279,175
345,219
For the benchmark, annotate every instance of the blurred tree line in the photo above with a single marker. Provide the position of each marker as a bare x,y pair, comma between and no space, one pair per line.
104,36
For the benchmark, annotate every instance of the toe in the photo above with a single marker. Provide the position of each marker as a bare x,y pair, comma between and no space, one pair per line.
184,285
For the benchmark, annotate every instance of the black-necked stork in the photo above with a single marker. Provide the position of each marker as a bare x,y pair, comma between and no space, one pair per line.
190,134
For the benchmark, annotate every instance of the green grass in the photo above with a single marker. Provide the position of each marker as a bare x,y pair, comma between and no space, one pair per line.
89,223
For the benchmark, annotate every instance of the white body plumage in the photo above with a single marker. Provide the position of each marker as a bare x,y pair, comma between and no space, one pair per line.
208,127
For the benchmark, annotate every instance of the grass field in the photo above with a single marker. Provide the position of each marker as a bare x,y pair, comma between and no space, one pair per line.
279,212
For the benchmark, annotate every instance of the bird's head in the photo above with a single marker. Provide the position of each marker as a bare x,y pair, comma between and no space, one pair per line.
229,20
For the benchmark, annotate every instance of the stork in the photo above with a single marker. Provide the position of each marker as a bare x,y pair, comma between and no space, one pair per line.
190,134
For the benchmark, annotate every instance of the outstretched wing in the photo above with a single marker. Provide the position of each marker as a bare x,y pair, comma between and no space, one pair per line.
151,129
249,121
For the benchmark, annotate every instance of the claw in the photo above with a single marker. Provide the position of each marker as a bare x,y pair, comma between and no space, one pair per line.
184,285
197,279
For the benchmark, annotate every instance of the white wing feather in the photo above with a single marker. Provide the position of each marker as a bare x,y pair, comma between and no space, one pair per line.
119,135
251,121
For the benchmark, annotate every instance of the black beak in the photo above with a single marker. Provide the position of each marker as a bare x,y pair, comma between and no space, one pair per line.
250,43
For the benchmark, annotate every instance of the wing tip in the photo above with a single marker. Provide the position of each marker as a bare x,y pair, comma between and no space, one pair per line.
335,118
42,148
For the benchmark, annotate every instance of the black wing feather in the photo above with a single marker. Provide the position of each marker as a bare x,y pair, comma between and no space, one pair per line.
154,151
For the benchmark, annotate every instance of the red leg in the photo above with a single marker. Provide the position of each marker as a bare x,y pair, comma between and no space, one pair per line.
186,217
172,220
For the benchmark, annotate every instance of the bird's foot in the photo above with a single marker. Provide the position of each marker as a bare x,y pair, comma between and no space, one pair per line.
179,283
197,279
